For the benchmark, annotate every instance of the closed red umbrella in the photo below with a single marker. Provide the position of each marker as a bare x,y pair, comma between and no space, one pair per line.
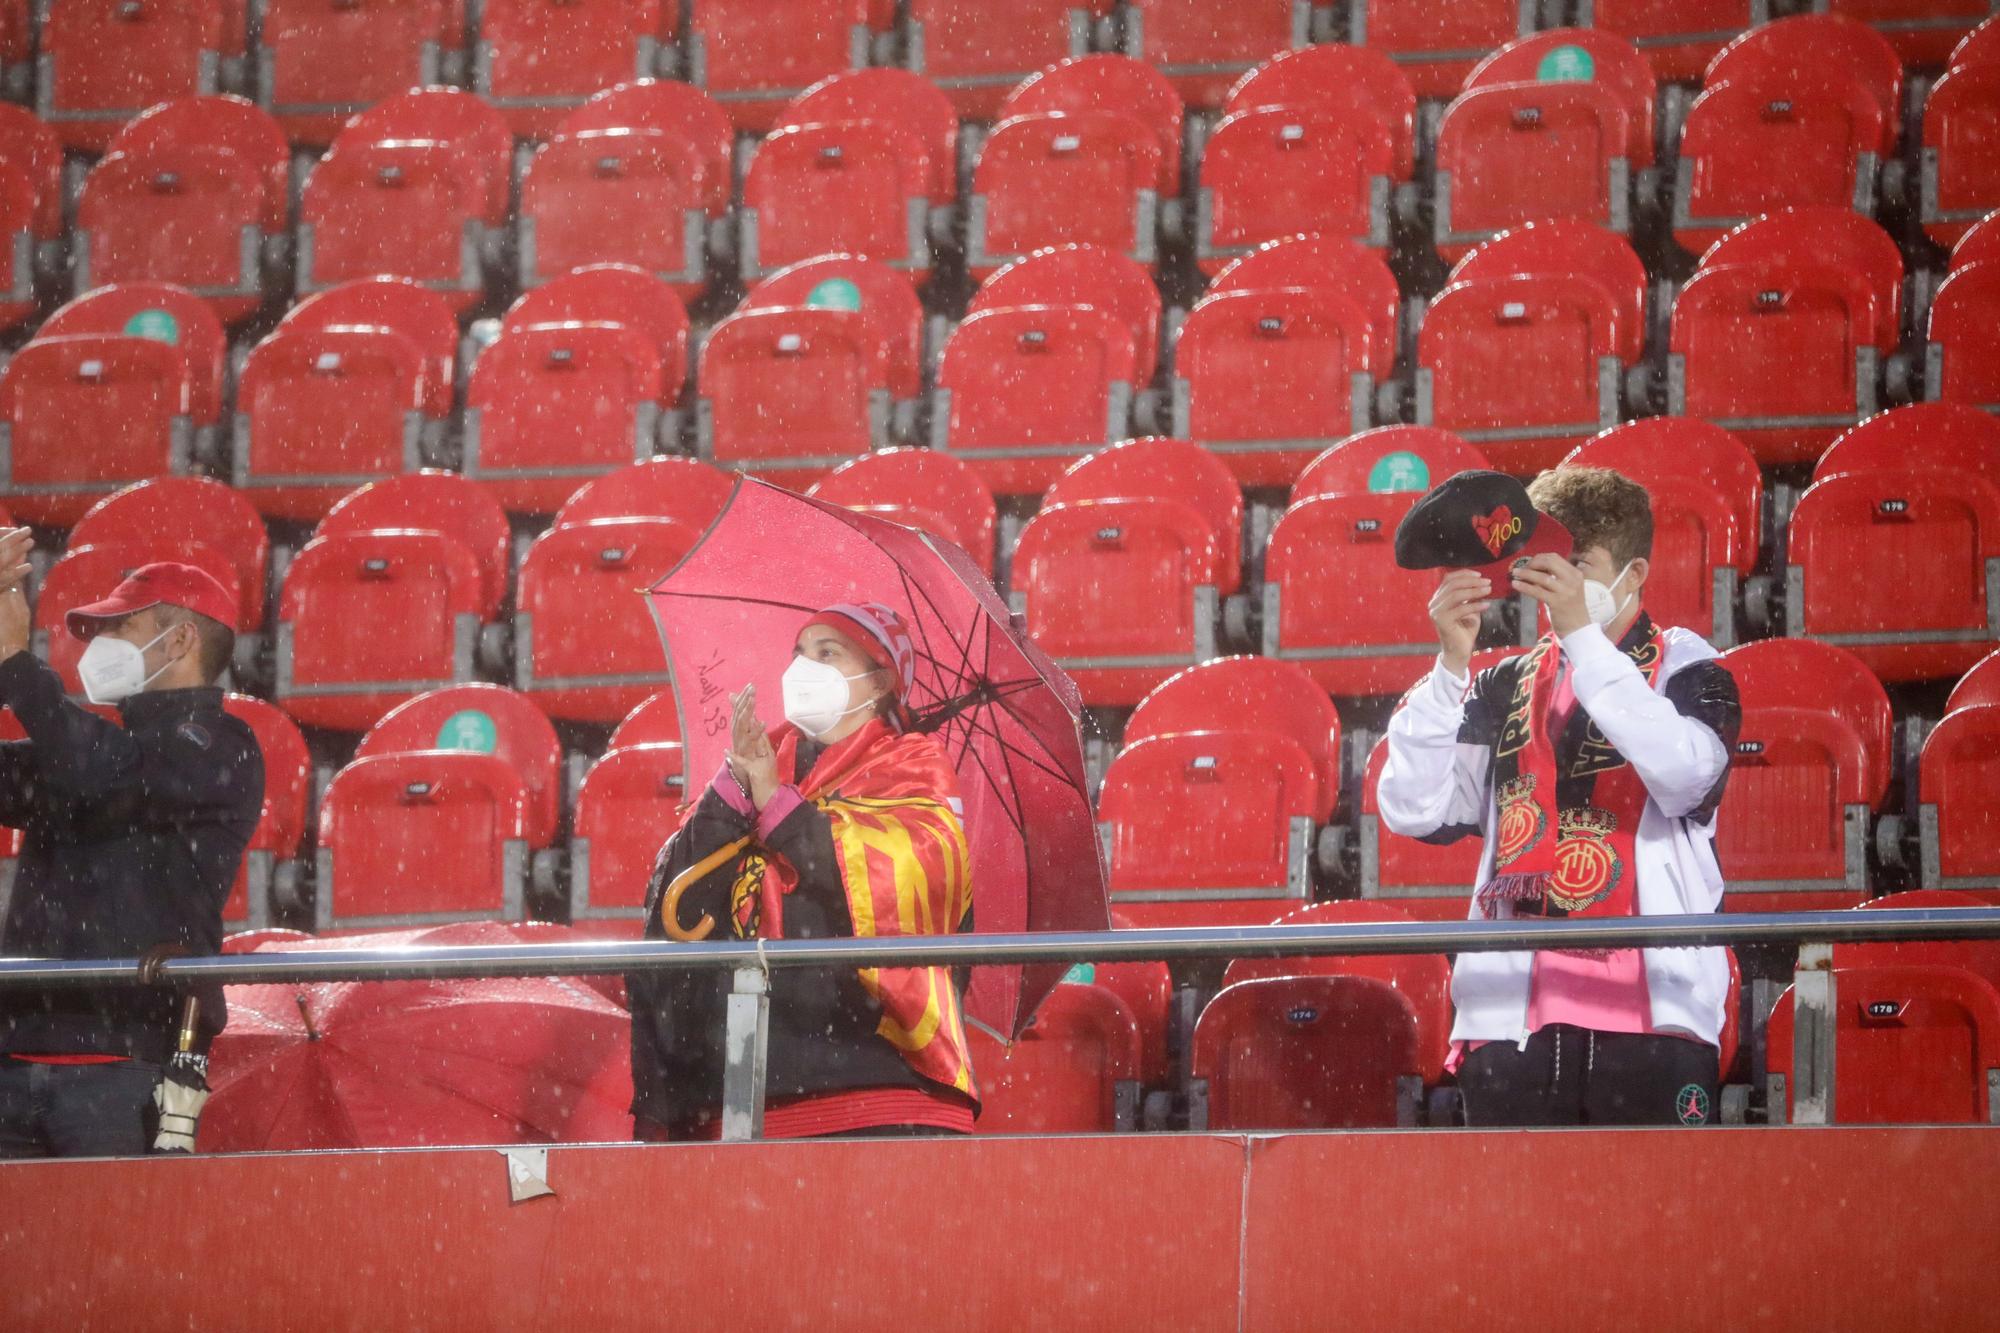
1010,719
390,1064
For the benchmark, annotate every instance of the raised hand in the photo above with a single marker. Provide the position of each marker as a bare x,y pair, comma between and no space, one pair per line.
1461,599
1558,585
751,755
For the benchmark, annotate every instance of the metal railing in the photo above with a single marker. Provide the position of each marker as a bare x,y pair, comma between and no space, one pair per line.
751,962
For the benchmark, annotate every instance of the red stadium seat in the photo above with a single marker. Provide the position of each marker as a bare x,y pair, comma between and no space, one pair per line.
1087,275
1959,182
104,61
1075,1070
1958,778
321,61
1310,1052
1365,632
1804,46
791,394
1708,504
1979,47
885,298
1596,56
1121,574
617,294
753,56
1438,45
1678,37
846,186
1812,764
1341,82
165,314
1247,694
536,59
173,510
1385,460
1205,47
680,490
896,97
585,644
423,836
654,722
88,574
281,824
1429,881
976,54
1104,82
30,207
433,501
1912,1045
1979,957
482,719
1422,979
1981,685
1814,290
1147,990
424,583
626,809
1921,436
1980,242
1322,262
1276,171
550,405
1209,827
1022,391
933,492
1922,32
1962,351
87,414
399,306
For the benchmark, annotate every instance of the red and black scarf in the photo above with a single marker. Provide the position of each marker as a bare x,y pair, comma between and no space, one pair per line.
1569,804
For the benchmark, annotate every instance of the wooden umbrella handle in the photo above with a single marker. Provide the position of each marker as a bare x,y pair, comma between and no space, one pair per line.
670,904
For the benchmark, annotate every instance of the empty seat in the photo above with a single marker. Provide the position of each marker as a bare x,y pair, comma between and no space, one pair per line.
897,97
1147,990
932,492
1912,1045
87,414
1678,37
1211,827
331,672
1804,46
1310,1052
434,501
321,61
1922,32
791,394
1084,153
281,823
1816,291
1205,46
1981,685
1980,242
165,314
1122,572
188,194
885,298
614,294
102,62
654,722
1959,182
536,59
1083,275
1427,880
1385,460
1977,47
31,197
1340,81
1437,45
1248,694
753,56
87,574
1958,780
168,512
1812,764
853,186
1961,350
1979,957
418,837
976,54
627,807
402,307
482,719
632,177
1074,1070
677,490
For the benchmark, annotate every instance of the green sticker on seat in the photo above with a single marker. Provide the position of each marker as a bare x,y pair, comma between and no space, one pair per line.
1399,471
158,325
834,294
469,730
1081,974
1566,64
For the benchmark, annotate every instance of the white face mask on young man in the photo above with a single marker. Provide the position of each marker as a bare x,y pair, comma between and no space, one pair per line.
114,669
816,696
1600,604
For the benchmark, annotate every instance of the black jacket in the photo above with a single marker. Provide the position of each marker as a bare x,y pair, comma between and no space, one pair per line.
132,838
823,1035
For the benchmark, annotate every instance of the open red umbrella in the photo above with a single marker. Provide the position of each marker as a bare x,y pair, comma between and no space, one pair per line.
391,1064
1011,720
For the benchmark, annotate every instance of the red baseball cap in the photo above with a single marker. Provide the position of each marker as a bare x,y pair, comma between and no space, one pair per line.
152,585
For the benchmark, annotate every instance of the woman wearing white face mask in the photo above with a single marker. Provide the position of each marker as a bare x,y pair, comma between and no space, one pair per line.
843,822
1592,767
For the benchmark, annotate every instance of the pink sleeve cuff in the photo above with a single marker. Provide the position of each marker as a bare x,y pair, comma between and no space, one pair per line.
731,791
783,801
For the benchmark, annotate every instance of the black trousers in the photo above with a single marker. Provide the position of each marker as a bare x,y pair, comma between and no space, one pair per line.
77,1110
1573,1076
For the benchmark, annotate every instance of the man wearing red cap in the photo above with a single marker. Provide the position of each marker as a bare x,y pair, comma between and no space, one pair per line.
131,837
843,822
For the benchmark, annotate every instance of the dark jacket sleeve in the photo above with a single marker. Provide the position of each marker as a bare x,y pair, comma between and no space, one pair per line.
17,786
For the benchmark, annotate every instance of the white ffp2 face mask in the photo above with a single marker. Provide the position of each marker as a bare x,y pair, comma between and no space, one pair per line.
114,669
1600,604
816,696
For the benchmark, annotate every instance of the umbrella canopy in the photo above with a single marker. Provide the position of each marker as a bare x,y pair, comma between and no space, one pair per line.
392,1064
730,612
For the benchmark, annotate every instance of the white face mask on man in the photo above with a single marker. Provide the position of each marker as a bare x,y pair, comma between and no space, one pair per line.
816,696
114,669
1600,604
